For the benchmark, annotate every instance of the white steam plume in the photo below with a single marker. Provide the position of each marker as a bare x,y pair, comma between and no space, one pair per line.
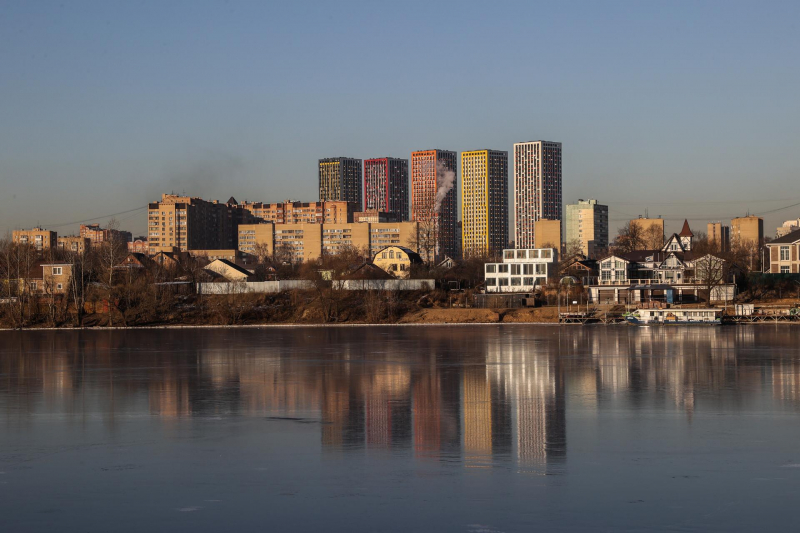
445,179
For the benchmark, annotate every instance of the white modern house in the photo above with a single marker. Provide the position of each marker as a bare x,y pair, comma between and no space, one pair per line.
521,270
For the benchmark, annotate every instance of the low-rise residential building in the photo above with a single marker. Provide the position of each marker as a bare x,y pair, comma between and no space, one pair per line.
397,260
136,260
56,277
673,272
74,244
39,238
784,254
522,270
234,256
228,270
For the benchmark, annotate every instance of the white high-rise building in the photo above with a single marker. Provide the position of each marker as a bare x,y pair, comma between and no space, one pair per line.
537,187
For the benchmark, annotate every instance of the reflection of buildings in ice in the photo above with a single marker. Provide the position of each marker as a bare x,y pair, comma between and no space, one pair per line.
533,395
169,396
786,380
477,413
674,361
387,403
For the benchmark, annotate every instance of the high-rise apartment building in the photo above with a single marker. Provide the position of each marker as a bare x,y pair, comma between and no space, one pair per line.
340,179
288,212
747,229
434,193
537,188
185,223
719,237
587,224
386,186
484,202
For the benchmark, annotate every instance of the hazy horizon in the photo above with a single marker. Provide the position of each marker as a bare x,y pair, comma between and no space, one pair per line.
683,109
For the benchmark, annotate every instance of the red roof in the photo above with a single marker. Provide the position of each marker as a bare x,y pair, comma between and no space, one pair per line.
686,232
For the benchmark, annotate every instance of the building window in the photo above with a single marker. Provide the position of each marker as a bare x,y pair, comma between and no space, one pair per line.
59,286
56,271
784,270
490,269
784,253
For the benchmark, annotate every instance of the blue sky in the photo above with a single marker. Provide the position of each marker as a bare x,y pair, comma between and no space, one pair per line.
687,109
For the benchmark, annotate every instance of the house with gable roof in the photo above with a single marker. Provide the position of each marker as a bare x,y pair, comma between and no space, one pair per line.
674,273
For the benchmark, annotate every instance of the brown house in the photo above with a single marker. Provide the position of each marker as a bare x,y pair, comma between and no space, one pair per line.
784,254
56,278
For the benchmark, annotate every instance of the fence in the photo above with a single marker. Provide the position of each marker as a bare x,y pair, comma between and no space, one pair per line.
385,285
253,287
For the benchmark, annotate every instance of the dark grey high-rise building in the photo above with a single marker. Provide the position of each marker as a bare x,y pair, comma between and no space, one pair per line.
340,179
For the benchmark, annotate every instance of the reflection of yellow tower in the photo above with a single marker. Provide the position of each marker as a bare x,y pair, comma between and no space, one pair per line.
477,413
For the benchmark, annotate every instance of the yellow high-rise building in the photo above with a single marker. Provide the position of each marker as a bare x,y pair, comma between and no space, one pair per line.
484,202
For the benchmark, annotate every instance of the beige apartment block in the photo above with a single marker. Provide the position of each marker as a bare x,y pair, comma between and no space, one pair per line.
747,229
308,242
289,212
646,224
547,234
74,243
99,235
719,236
41,239
56,277
184,223
257,239
587,223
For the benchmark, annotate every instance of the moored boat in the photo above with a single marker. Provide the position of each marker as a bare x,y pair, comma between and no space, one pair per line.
709,316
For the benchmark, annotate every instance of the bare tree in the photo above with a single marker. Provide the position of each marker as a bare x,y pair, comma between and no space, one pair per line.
630,238
426,239
573,248
110,255
652,237
710,271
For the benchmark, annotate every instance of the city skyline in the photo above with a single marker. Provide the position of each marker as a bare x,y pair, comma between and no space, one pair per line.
104,121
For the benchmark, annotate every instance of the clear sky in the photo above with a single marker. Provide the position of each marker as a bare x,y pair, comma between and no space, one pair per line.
688,109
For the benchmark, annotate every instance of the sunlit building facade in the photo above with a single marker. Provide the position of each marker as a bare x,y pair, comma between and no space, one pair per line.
427,176
340,179
537,188
484,202
386,186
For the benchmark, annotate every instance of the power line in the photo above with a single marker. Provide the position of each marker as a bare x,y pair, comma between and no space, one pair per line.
94,218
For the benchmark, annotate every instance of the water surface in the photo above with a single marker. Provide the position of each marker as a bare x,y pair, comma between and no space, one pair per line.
467,429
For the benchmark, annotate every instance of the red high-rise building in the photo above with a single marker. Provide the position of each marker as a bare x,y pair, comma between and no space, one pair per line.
386,186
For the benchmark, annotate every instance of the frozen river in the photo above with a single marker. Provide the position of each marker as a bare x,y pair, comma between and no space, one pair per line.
454,428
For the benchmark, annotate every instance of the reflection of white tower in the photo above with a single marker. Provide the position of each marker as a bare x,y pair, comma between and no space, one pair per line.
529,380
